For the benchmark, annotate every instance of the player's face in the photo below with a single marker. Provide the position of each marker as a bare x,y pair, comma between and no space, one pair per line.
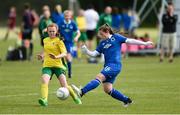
47,14
52,31
67,16
102,34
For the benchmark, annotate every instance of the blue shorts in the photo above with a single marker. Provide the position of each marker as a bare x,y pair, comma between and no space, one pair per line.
110,72
69,47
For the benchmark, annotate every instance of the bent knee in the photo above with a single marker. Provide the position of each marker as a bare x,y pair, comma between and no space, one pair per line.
107,90
100,77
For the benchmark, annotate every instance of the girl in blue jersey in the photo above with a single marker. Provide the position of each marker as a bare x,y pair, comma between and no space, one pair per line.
110,46
67,28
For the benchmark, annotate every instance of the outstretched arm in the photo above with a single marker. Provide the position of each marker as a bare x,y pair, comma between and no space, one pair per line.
138,42
88,52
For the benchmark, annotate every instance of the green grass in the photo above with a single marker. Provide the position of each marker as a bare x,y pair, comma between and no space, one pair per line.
154,87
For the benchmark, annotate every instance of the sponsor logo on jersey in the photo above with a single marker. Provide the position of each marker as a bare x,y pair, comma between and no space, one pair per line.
107,46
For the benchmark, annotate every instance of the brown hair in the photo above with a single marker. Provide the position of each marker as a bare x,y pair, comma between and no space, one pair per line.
106,28
57,28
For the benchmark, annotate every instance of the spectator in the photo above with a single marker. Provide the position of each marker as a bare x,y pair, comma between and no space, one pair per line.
168,40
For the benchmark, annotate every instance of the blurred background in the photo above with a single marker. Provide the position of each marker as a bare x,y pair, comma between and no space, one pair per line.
152,83
98,4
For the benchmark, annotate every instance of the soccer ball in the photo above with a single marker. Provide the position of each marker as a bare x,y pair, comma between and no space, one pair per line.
62,93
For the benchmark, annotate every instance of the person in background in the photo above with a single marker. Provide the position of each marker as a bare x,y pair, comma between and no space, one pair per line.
27,29
67,28
11,22
126,20
57,15
147,38
116,19
45,21
92,18
36,17
36,22
44,8
168,40
134,22
81,23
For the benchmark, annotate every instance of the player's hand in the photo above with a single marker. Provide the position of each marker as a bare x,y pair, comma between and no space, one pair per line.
148,43
76,39
40,56
84,48
44,30
52,56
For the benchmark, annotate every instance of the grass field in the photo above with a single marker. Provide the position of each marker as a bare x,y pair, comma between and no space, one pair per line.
154,87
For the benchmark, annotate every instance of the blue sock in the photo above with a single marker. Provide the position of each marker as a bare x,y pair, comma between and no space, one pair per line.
118,95
90,86
69,68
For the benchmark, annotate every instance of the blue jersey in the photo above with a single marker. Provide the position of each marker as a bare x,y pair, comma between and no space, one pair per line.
57,17
126,21
116,21
67,29
111,48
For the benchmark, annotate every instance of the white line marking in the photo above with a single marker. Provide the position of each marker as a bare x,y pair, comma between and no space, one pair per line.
22,95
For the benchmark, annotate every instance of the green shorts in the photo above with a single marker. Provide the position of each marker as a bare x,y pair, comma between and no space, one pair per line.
83,37
53,70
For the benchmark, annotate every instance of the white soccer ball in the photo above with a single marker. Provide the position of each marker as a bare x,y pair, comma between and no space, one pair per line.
62,93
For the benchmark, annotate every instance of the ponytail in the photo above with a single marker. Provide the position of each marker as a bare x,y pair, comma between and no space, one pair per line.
106,28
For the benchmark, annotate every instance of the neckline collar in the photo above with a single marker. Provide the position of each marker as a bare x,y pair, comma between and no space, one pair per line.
110,36
67,22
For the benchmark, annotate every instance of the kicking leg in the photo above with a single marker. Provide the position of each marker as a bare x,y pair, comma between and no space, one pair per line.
90,86
63,82
108,88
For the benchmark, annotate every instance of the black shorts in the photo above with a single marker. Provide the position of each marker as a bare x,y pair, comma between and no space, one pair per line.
27,34
90,34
